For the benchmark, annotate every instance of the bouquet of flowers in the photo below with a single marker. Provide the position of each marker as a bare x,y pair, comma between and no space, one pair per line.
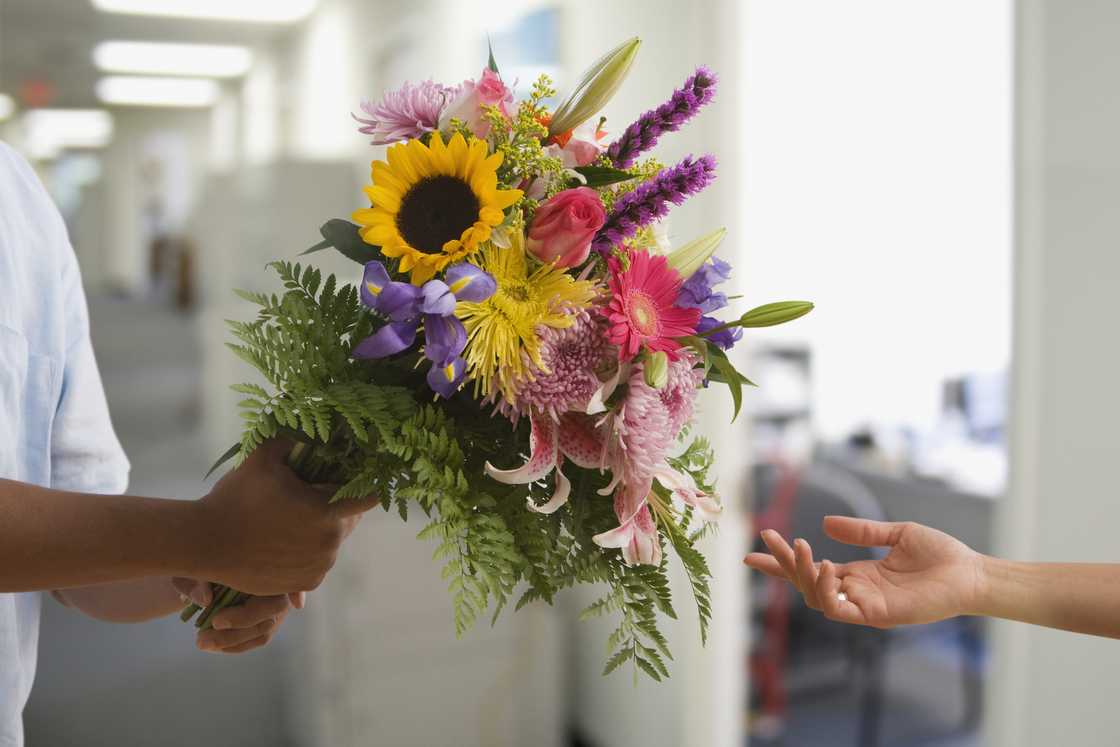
521,357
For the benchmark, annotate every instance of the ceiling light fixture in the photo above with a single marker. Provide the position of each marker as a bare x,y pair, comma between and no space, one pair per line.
48,131
160,58
258,11
124,90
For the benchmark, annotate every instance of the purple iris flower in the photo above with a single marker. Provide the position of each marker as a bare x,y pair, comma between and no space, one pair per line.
725,338
445,380
697,293
396,300
433,305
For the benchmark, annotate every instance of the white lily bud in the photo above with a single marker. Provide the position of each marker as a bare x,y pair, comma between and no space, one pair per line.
692,256
595,88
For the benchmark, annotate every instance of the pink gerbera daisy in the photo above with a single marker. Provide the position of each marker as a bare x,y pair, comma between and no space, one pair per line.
642,310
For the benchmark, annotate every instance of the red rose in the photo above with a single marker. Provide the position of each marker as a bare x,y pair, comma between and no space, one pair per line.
564,226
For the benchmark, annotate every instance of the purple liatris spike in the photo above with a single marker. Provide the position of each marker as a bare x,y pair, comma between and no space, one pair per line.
682,106
650,200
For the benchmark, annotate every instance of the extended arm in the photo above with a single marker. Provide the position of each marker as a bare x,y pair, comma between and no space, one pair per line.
260,530
1079,597
929,576
52,539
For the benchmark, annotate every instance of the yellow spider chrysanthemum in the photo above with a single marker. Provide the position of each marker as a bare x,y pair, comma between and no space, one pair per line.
434,204
500,328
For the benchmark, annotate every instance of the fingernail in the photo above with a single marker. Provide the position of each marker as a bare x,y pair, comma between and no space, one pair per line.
220,624
201,596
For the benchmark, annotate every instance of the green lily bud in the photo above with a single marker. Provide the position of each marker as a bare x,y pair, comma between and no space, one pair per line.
595,88
771,314
691,257
656,369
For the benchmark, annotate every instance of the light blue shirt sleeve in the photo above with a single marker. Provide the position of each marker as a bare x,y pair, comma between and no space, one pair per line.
54,422
85,453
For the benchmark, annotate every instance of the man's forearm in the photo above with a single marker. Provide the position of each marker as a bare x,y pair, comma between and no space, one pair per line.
124,601
50,539
1078,597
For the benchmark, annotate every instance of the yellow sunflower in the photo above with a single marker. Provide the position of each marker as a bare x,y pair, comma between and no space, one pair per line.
433,204
504,325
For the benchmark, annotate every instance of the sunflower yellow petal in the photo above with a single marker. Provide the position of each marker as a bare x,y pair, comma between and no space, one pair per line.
379,234
506,197
420,157
484,184
441,157
494,161
458,149
382,174
401,164
385,198
422,273
476,159
491,216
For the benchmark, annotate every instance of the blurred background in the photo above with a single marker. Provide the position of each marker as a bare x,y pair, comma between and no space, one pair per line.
940,176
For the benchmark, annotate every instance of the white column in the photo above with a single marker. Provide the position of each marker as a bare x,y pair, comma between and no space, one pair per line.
704,701
1051,687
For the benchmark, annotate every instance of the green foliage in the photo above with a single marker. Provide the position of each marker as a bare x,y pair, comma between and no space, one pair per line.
372,429
521,140
343,235
600,176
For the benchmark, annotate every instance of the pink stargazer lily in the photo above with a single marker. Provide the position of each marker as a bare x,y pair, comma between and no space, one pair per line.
575,436
684,489
636,535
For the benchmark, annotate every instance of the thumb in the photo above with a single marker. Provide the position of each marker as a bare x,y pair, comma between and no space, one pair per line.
273,450
346,507
862,532
198,592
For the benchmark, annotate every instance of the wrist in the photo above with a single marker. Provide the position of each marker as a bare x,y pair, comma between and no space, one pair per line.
196,546
988,572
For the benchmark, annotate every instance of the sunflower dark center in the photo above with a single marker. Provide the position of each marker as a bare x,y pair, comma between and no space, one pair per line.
436,210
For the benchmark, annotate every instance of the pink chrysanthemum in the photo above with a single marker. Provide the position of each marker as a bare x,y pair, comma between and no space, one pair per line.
567,377
649,420
679,393
642,310
645,426
406,113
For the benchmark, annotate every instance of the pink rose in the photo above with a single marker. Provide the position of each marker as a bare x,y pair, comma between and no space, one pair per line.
564,226
492,91
471,97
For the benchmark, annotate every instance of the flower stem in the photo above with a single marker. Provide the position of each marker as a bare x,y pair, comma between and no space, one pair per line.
189,611
221,601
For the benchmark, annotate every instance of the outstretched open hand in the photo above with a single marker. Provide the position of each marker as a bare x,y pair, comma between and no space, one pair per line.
927,575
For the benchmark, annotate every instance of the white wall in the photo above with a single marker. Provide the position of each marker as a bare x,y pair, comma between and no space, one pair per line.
877,184
705,701
1051,687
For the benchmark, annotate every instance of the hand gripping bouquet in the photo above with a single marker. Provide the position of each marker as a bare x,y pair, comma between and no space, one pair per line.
522,354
